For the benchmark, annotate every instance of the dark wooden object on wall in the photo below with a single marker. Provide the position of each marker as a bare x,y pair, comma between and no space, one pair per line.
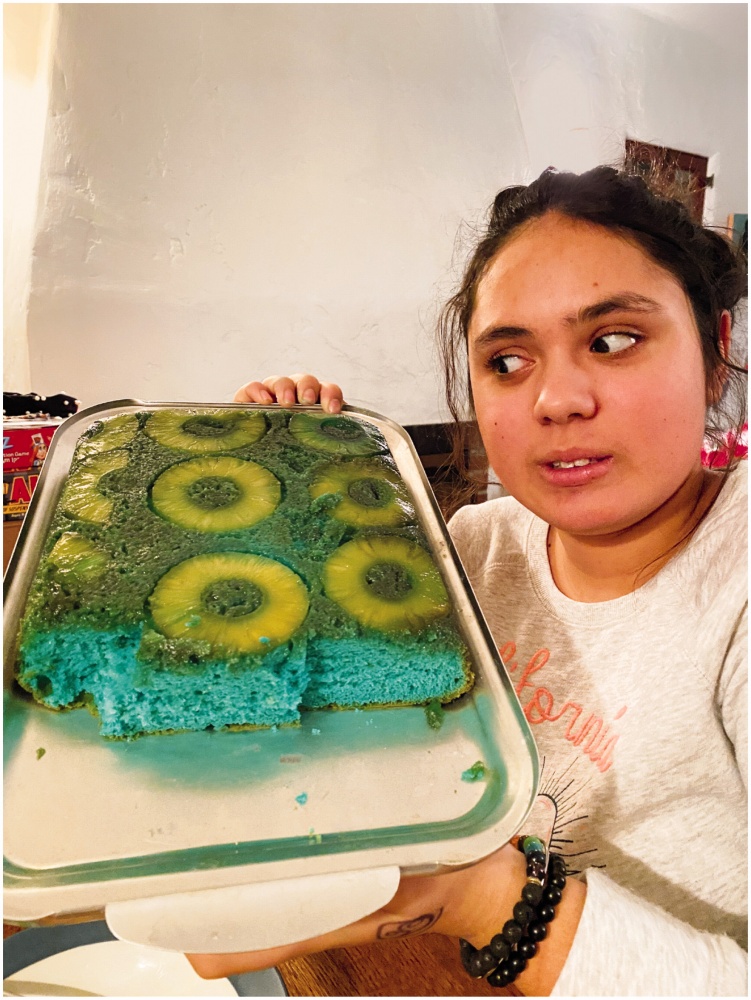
687,171
434,445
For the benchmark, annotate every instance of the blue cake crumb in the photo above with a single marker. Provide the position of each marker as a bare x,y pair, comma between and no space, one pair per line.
475,773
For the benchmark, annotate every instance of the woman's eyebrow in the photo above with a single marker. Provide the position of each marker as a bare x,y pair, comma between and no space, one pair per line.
493,333
615,303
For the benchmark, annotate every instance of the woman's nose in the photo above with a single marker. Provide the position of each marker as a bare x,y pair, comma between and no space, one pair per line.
565,393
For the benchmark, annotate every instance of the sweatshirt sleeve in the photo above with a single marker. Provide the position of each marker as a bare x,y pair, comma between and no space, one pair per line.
625,946
732,694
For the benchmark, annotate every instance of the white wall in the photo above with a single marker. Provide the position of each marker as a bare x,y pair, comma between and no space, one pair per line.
236,190
28,30
589,75
239,189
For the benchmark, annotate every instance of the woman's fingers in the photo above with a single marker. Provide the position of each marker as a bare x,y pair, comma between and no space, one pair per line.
288,390
282,388
331,397
253,392
307,388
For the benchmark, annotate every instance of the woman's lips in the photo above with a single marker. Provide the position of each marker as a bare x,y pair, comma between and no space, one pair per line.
576,470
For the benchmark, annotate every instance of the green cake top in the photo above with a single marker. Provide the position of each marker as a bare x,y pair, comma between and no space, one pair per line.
190,521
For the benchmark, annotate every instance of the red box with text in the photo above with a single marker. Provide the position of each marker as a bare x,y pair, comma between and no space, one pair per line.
17,490
25,443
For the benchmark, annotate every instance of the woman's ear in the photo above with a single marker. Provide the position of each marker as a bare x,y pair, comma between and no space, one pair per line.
725,331
720,376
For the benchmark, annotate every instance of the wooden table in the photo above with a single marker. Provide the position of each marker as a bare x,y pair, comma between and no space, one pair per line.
424,966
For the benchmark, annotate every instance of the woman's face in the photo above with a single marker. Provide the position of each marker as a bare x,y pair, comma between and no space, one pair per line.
587,376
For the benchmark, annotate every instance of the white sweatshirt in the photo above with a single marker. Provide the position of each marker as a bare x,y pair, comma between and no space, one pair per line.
639,709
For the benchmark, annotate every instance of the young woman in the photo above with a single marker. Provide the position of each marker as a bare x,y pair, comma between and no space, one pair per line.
591,332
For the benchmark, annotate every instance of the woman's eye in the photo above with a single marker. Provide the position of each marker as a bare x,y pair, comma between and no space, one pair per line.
614,343
506,364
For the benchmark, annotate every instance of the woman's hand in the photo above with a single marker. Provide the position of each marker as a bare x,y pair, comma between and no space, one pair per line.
473,903
288,390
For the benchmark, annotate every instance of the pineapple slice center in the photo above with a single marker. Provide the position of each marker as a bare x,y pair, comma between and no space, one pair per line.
341,429
389,580
232,597
370,492
207,426
213,492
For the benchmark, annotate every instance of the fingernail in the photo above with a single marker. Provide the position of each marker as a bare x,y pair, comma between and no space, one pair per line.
309,396
334,406
267,397
289,397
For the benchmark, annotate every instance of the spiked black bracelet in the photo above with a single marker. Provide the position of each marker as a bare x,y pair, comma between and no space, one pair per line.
508,953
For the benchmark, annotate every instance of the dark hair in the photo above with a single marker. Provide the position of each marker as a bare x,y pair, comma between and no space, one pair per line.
710,269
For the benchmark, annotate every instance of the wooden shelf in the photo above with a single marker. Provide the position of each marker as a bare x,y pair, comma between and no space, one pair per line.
10,534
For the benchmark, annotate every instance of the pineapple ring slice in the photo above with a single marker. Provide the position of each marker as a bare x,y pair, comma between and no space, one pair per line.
238,602
386,582
338,435
81,497
112,432
76,556
216,493
206,430
372,494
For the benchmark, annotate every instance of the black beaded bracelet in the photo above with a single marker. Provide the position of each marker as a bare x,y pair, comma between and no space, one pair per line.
508,953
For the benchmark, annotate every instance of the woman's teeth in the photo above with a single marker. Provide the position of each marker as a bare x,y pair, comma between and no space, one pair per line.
573,465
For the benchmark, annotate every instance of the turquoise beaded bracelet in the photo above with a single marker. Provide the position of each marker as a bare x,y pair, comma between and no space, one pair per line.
509,951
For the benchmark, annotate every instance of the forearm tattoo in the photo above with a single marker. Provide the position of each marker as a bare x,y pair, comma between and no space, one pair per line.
404,928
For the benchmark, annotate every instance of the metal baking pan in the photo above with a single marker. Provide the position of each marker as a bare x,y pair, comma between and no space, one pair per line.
92,822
